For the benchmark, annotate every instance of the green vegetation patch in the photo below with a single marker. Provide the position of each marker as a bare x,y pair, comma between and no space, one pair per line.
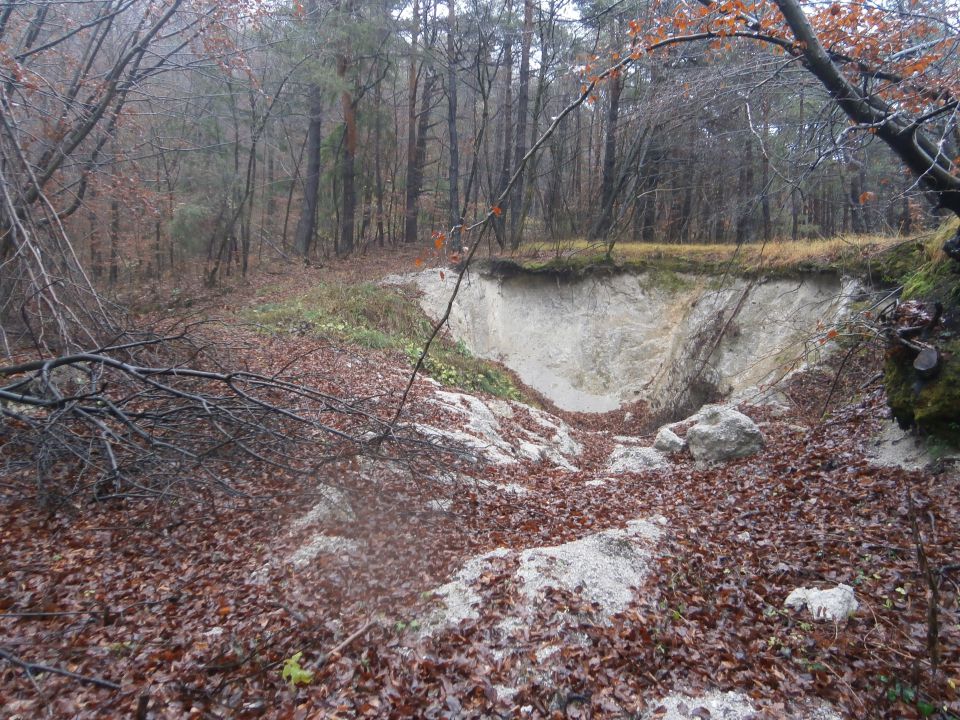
925,271
375,317
932,406
926,274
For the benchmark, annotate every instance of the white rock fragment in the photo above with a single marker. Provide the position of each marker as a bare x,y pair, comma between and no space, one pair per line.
723,433
634,460
667,441
836,604
598,482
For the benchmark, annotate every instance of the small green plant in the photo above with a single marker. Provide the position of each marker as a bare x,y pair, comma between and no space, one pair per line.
294,674
898,691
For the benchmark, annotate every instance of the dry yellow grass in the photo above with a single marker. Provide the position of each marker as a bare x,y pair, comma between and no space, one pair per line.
775,254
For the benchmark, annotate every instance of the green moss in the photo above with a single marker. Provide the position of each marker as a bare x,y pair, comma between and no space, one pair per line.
934,406
375,317
921,268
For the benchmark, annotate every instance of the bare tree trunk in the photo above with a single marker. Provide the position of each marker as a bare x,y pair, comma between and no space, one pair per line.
114,241
604,221
415,181
453,174
307,225
413,78
506,166
744,230
523,101
345,246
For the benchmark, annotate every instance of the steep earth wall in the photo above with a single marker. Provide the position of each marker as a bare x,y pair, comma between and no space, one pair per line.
595,343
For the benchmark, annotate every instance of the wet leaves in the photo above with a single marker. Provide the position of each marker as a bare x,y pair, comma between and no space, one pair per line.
192,604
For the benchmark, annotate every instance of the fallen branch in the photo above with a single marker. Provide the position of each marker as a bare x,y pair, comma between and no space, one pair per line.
31,668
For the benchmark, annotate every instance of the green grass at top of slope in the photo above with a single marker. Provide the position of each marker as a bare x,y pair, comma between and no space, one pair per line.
376,317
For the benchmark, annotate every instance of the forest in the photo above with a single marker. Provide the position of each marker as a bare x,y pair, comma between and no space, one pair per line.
159,138
534,358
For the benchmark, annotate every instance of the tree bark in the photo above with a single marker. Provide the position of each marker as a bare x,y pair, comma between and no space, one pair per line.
413,184
345,246
506,165
453,172
604,221
523,101
307,224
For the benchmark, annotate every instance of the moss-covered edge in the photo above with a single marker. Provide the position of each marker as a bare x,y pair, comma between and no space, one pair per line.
933,406
925,274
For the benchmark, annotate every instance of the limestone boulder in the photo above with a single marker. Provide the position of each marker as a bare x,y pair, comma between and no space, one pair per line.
668,442
632,459
723,433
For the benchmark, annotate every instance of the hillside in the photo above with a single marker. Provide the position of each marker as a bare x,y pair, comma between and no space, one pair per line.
498,559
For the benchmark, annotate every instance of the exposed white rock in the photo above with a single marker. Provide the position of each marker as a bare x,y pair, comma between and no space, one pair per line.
459,596
723,433
604,568
332,506
596,482
719,705
513,489
482,450
440,505
596,344
836,604
480,430
322,544
559,431
634,460
722,706
894,447
667,441
500,408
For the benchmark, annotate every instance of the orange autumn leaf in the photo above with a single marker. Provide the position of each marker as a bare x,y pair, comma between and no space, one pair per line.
496,210
866,197
418,262
832,334
443,275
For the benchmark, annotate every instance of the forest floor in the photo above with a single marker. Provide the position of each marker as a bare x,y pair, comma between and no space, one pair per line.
160,609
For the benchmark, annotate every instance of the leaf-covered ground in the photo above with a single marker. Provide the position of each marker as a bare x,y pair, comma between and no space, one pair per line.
192,608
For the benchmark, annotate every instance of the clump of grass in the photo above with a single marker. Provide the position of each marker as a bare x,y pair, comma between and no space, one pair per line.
932,274
375,317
